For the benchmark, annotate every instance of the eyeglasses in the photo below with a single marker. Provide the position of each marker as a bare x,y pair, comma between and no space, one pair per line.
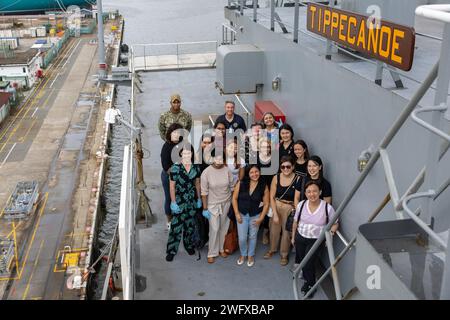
285,167
176,101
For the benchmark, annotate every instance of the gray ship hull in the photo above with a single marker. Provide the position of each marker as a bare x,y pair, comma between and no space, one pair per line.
338,109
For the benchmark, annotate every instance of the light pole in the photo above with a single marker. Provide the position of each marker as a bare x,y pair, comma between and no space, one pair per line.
101,41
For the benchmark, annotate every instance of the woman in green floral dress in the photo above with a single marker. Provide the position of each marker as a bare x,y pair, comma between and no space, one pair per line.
185,200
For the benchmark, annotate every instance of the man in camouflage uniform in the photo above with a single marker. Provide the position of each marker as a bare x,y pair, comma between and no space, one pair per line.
174,115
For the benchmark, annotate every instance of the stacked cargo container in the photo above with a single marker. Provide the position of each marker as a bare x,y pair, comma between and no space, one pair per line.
32,32
12,43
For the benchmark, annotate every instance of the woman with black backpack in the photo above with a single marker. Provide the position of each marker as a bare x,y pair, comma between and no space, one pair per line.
311,216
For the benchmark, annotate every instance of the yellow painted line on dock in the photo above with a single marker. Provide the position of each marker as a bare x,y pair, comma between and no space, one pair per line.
34,234
8,279
29,99
48,98
58,255
24,107
7,201
22,139
14,229
20,120
36,261
77,234
32,101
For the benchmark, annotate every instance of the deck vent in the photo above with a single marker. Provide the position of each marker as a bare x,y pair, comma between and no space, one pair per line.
239,68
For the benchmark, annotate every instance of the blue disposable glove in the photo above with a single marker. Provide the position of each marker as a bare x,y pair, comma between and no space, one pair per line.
206,214
199,203
174,208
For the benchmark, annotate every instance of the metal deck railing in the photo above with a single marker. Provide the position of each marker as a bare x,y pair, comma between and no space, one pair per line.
174,56
241,5
228,35
245,113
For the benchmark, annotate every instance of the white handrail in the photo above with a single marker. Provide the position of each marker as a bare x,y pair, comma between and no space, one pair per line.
242,104
173,43
430,193
211,120
341,237
438,12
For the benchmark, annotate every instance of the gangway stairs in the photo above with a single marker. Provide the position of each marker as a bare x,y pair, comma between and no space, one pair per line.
401,259
405,258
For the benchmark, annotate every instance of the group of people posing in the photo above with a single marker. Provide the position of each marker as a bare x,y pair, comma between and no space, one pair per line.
256,177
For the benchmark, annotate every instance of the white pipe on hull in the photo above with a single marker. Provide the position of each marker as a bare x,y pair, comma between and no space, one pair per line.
438,12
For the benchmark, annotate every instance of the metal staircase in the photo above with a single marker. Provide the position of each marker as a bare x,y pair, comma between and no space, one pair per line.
404,258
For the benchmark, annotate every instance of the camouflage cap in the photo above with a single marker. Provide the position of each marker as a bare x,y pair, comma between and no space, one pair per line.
175,97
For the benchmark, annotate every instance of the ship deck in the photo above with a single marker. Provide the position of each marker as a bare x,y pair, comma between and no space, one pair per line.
185,277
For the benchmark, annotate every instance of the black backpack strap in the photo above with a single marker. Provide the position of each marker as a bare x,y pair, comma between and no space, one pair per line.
300,212
326,211
302,190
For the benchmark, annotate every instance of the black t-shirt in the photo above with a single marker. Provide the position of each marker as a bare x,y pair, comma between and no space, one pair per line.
166,155
289,151
325,186
266,176
236,123
301,169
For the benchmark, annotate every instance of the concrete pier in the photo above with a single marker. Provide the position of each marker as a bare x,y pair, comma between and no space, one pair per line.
54,139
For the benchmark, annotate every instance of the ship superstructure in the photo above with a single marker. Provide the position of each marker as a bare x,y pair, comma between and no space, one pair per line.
383,132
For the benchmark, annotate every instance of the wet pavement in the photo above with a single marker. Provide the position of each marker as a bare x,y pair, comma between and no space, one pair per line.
55,150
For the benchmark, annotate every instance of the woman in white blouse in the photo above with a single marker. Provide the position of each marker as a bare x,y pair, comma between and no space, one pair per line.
216,187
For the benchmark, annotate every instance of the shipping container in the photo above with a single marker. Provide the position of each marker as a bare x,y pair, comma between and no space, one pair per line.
12,43
33,32
41,31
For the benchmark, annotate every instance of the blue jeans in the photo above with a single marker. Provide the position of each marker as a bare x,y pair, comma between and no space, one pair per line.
247,231
166,187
